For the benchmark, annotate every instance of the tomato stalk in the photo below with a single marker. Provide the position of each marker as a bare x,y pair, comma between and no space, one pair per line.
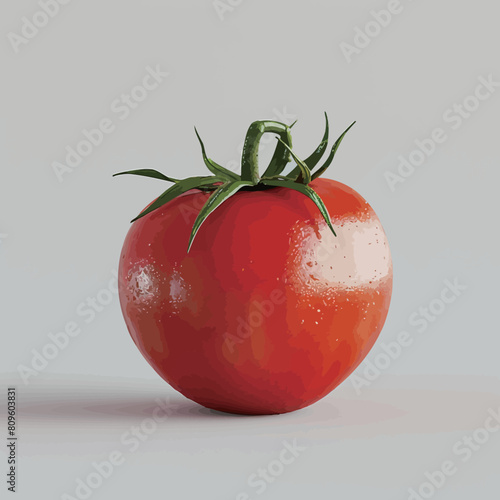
225,183
250,155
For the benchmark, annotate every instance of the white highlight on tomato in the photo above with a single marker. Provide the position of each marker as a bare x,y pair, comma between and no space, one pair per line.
358,256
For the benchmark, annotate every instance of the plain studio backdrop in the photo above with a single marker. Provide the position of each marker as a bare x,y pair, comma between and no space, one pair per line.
421,78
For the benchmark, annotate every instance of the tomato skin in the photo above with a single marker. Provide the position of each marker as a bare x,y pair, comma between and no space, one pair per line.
269,311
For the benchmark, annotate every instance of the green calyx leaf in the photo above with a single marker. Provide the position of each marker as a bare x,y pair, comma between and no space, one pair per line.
224,183
305,174
307,191
314,158
179,188
215,168
219,196
148,172
329,160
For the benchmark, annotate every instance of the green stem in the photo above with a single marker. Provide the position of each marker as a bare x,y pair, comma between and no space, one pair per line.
250,156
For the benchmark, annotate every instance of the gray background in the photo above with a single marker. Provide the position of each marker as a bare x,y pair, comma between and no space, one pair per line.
60,241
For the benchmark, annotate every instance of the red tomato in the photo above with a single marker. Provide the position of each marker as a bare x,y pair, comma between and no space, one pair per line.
269,311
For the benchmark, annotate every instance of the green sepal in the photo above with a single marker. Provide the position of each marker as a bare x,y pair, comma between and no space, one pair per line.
307,191
215,168
275,178
179,188
280,157
278,161
148,172
329,160
312,160
219,196
305,174
225,183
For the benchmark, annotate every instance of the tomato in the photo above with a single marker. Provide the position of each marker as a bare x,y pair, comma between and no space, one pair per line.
269,310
